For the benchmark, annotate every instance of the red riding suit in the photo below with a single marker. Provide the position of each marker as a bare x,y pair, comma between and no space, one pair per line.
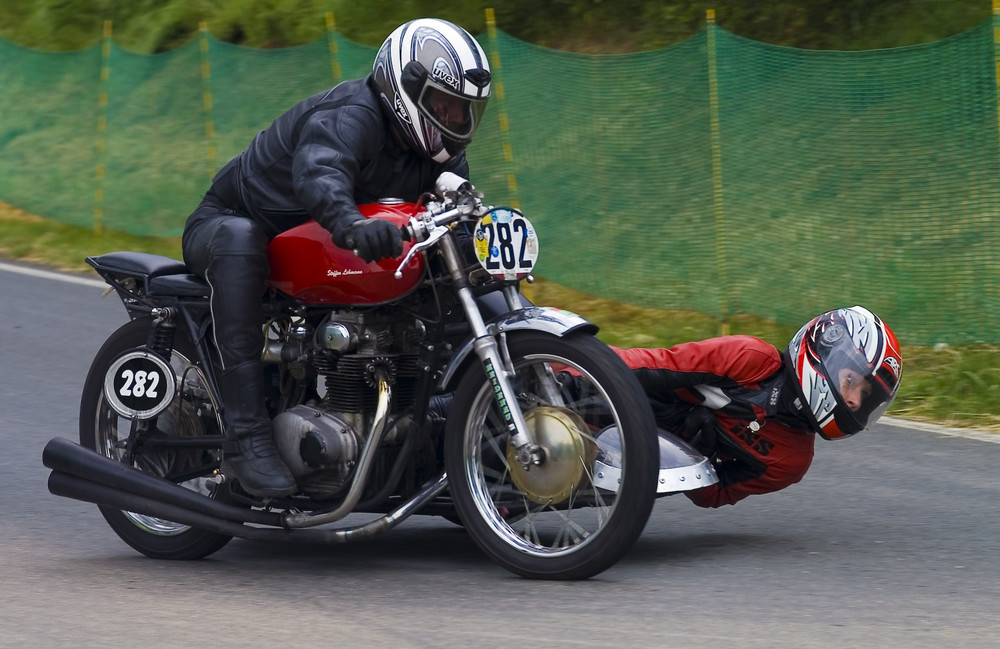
762,442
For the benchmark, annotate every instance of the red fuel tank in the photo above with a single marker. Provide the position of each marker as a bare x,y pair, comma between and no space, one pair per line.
305,264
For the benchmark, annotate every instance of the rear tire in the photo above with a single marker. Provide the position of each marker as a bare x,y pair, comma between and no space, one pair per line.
105,431
561,519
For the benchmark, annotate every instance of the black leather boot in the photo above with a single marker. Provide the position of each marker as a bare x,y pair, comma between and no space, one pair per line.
251,456
230,251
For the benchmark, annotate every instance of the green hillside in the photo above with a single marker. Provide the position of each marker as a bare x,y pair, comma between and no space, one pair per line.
593,26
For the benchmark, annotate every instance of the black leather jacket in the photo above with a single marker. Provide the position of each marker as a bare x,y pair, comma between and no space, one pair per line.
323,157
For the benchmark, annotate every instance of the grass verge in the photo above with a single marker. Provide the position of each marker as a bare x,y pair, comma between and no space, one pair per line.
953,386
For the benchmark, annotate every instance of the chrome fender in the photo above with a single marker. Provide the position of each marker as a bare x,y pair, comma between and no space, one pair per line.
682,468
539,318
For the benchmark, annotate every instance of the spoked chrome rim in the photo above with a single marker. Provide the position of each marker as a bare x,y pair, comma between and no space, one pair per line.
113,432
554,508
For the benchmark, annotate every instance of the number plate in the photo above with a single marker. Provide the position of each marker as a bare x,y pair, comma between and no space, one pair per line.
139,384
506,244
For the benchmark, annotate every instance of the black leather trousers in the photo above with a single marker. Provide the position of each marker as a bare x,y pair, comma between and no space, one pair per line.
229,250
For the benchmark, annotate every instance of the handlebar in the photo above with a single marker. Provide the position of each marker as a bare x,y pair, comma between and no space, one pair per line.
457,198
426,230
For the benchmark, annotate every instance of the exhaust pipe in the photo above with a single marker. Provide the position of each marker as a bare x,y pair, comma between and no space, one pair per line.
70,486
83,474
63,456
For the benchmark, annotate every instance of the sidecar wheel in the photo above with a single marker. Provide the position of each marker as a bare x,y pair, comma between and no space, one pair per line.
105,431
567,517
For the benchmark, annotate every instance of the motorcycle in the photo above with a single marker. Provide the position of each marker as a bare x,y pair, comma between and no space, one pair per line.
426,383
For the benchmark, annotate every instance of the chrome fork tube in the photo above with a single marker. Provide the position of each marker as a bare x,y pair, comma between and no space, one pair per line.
497,370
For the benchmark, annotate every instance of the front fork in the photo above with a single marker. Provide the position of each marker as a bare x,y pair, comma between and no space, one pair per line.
496,361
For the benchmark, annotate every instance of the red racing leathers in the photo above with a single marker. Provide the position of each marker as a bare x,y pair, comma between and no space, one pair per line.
762,443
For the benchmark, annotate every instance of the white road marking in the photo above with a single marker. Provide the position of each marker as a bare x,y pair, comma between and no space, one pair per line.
48,274
968,433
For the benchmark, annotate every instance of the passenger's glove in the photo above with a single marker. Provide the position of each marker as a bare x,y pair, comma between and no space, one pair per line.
703,427
374,239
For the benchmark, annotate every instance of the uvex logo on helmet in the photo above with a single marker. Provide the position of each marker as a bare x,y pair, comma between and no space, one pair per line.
442,72
400,111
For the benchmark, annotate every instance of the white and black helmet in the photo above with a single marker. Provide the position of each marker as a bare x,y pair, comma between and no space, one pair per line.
435,80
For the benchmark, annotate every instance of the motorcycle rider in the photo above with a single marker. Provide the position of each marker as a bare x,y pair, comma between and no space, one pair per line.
390,134
754,409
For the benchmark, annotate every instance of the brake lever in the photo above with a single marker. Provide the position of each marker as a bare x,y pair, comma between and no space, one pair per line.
431,239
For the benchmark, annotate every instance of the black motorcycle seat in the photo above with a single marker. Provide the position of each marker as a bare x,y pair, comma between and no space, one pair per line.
137,264
163,276
181,285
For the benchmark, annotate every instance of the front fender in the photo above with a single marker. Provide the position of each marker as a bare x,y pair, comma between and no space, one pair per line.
557,322
682,468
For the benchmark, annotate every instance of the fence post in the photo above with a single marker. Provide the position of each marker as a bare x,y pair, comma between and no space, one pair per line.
508,151
331,28
206,92
717,205
102,128
996,52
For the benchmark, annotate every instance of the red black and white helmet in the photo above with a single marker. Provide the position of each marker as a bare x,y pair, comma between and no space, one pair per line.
435,80
847,364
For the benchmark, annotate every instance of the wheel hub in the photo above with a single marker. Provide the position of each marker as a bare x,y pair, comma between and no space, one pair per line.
569,455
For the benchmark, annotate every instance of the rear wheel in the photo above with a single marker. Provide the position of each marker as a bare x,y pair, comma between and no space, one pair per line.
580,510
191,412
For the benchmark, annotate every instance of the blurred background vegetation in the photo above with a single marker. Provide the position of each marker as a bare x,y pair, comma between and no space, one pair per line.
951,385
591,26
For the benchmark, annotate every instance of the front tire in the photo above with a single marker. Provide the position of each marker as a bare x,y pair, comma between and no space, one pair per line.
568,517
190,413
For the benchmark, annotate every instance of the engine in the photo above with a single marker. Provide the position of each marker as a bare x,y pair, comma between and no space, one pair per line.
334,367
319,448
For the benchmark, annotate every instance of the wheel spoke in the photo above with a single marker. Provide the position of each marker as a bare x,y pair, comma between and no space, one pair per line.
584,510
530,532
600,505
557,518
569,525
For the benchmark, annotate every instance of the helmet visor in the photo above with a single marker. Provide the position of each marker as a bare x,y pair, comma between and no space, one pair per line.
455,115
863,391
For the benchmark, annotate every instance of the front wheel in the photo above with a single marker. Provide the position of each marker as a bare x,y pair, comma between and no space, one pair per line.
580,509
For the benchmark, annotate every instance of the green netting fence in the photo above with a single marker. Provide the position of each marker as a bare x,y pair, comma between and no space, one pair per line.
720,175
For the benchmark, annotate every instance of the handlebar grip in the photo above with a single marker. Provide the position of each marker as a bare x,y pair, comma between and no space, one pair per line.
406,233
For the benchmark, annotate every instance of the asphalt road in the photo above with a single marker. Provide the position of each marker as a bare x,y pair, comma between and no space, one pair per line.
892,540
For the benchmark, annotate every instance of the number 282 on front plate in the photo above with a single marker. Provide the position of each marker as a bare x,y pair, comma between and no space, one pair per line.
506,244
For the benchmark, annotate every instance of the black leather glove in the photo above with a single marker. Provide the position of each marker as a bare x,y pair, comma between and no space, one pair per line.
703,427
374,239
